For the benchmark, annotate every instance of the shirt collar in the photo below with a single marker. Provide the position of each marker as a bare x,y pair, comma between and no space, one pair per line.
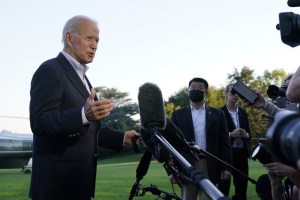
75,63
203,107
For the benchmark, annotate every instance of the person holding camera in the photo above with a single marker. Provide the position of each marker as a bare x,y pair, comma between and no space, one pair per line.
239,134
270,108
293,91
278,172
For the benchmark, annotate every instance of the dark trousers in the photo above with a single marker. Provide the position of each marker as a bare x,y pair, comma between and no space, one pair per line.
240,162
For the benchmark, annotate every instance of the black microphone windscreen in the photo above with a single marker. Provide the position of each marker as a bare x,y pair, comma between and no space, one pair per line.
151,106
143,166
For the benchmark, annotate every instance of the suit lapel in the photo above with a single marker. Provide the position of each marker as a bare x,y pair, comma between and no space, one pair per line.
208,119
72,75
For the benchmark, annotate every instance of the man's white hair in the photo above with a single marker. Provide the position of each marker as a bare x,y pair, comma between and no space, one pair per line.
72,25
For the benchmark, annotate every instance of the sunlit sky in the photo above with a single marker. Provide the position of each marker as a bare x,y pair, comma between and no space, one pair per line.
166,42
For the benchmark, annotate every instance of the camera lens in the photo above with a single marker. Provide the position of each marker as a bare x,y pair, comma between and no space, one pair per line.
289,26
262,154
284,137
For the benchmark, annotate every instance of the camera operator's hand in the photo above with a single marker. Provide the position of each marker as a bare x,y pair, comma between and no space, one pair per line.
276,181
280,169
283,170
260,102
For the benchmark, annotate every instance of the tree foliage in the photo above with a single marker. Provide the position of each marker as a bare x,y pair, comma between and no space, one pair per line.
124,112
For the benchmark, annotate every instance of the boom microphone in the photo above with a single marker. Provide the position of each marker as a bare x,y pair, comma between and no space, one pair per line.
151,106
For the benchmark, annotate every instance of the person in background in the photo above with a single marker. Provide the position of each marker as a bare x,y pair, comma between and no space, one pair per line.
206,127
239,134
270,108
66,116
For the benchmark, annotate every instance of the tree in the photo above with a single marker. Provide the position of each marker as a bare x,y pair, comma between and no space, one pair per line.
215,97
122,116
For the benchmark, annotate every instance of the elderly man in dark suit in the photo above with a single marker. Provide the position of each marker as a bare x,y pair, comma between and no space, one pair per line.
65,118
206,127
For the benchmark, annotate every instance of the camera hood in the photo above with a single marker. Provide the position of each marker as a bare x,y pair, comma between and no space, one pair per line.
284,138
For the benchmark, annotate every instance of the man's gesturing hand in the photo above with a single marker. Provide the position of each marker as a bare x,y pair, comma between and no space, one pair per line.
97,110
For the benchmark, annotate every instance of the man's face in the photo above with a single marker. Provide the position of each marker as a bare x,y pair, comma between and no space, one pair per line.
197,86
232,98
84,42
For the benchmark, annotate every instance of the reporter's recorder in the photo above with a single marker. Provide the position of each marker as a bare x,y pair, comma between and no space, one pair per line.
244,92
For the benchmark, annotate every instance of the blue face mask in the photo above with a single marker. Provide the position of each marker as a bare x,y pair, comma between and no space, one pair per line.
196,95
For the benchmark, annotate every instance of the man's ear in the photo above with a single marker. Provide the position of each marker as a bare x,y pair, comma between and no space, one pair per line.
69,39
206,92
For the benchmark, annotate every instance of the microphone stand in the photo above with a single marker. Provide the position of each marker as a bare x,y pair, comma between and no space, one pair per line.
199,150
160,193
198,178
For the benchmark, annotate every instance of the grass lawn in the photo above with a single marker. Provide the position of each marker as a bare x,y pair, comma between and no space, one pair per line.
115,178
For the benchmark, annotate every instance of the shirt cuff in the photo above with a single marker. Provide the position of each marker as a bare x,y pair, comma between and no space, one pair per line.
85,121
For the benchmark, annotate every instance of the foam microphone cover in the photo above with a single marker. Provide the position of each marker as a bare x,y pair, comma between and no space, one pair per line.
151,106
143,166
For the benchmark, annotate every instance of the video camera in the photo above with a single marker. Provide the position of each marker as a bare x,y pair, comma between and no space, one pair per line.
278,95
283,137
289,25
262,154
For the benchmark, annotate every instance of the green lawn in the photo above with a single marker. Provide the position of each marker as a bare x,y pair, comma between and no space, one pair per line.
115,178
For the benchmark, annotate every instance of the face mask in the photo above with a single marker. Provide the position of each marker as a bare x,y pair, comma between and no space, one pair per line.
196,95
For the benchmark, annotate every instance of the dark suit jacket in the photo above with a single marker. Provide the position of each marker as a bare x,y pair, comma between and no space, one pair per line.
217,139
244,123
64,150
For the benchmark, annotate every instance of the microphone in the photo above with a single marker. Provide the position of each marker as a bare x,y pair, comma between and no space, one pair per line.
152,114
143,166
153,120
141,171
151,106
